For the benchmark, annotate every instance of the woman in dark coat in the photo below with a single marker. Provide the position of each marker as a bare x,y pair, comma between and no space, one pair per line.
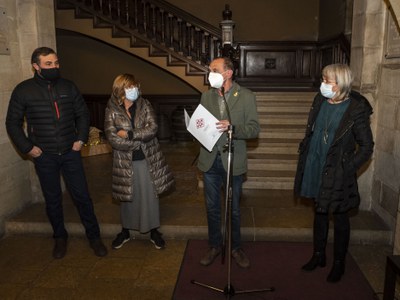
337,143
140,171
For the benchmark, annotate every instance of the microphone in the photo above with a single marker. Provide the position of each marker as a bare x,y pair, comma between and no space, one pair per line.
226,105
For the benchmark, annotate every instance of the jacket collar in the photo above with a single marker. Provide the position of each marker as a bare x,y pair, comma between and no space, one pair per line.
43,82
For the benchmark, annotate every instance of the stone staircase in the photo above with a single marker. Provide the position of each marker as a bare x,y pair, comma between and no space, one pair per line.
272,158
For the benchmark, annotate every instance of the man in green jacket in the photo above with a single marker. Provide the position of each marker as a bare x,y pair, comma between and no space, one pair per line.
240,110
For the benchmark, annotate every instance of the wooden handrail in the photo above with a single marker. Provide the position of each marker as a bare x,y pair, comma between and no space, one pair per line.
157,23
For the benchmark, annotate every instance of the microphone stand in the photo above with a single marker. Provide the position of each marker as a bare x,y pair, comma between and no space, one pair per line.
229,290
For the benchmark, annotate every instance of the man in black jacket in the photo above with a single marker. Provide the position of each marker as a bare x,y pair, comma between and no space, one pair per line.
57,126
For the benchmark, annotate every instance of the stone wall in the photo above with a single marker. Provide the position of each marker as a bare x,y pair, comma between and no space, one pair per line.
376,39
387,177
366,50
26,25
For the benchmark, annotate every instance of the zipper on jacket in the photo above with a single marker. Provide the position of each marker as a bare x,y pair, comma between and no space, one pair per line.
54,102
57,111
344,132
53,98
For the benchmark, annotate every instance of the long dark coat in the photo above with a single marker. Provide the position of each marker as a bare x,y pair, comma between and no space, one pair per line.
143,136
351,148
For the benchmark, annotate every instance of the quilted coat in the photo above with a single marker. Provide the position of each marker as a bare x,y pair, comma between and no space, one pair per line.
55,112
351,148
142,136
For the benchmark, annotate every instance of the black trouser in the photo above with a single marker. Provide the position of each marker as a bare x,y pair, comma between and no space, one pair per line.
341,233
48,168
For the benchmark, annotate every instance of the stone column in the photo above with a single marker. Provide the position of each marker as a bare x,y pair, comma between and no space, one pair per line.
366,49
375,61
26,25
395,5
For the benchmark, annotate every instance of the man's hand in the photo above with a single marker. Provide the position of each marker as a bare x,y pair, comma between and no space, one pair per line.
223,125
35,152
77,146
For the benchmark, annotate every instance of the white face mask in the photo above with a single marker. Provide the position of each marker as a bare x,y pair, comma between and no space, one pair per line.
326,90
216,80
132,94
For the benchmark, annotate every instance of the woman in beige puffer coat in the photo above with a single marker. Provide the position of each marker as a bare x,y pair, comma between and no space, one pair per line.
140,172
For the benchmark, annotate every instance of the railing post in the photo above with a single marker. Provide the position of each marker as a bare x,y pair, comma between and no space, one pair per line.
227,26
152,15
162,27
171,31
189,40
180,35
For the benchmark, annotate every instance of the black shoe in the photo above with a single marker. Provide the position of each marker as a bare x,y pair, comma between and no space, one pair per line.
60,248
121,239
156,239
336,272
98,247
317,260
209,257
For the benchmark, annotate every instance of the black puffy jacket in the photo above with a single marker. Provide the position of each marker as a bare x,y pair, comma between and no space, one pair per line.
351,148
55,112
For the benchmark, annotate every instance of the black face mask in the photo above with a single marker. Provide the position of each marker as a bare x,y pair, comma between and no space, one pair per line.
50,74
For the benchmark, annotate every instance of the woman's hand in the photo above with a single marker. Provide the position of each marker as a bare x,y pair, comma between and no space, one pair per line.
122,134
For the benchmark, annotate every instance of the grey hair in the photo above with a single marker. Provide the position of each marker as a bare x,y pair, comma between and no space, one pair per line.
343,76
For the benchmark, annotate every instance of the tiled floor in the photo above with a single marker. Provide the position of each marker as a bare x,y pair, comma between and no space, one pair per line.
138,270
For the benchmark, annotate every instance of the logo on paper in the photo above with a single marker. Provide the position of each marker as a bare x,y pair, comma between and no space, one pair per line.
199,123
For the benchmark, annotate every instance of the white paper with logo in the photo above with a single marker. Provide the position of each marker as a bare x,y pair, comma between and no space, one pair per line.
202,126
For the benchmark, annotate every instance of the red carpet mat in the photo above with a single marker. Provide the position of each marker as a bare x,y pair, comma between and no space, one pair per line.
273,264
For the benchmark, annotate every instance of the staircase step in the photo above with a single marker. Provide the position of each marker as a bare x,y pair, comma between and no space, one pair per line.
255,142
120,33
270,174
155,51
274,150
138,42
271,143
283,103
272,183
285,109
282,134
101,23
174,61
272,161
279,119
285,95
280,157
82,14
272,165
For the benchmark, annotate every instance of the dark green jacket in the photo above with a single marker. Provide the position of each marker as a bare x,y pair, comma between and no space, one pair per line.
243,111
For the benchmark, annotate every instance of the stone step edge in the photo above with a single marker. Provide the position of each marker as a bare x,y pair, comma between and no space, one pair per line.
358,236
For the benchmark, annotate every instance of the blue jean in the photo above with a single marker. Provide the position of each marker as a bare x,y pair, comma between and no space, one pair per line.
49,168
214,180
